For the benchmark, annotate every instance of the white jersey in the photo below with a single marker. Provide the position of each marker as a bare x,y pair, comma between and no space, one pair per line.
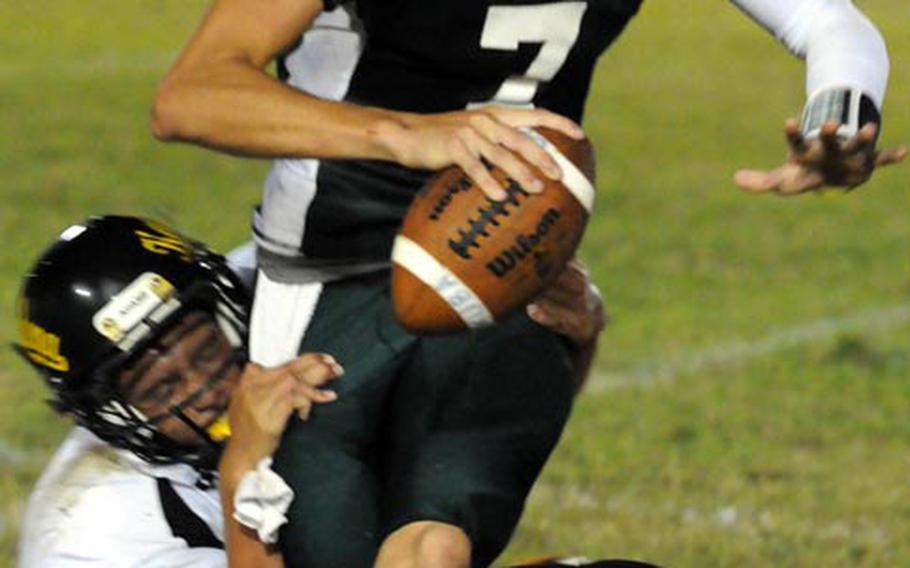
99,506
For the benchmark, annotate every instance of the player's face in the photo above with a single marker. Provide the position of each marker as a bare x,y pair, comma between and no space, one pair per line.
193,368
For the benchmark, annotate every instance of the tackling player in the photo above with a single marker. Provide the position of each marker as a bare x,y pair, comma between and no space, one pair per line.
139,334
371,96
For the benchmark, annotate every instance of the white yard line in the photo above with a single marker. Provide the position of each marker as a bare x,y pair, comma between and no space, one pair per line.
667,368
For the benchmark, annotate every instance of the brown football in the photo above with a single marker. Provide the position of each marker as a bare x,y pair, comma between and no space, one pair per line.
461,260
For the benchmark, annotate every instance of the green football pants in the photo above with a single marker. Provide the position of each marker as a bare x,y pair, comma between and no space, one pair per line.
452,429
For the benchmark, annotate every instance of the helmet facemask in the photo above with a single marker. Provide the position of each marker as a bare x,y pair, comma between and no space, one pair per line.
100,298
116,415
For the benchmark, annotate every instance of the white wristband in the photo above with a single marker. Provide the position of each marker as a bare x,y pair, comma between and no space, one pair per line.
850,108
261,501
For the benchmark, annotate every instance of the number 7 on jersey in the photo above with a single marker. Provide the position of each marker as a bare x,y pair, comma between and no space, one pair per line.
555,26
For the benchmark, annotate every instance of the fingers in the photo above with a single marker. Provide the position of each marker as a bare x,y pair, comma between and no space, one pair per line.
862,142
525,146
315,369
481,139
468,159
303,390
569,287
831,143
510,123
795,137
504,135
264,406
572,306
310,371
546,315
493,135
488,139
288,393
569,320
484,142
789,179
825,161
305,396
890,157
303,408
756,181
519,118
293,386
581,321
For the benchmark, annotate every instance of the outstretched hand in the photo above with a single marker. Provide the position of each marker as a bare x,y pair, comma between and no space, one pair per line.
826,161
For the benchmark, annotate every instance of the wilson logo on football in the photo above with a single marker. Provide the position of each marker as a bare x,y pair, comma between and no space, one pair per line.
524,246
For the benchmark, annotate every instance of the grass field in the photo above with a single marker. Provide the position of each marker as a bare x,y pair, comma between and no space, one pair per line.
750,402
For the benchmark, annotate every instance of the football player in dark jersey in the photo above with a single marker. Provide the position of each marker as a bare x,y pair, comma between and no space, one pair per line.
371,96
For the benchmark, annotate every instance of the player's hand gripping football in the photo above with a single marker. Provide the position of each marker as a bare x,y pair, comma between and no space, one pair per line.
826,161
265,398
572,305
486,134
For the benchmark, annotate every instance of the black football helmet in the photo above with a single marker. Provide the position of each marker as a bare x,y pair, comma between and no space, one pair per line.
105,290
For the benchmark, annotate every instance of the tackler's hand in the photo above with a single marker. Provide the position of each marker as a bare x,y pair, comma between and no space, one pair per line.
823,161
572,305
265,398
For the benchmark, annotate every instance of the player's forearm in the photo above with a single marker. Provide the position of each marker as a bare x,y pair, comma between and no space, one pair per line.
238,109
846,50
244,549
841,46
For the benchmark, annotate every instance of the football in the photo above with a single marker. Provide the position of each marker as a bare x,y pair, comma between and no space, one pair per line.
462,260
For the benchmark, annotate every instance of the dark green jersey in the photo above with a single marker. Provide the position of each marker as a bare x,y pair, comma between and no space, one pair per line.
420,56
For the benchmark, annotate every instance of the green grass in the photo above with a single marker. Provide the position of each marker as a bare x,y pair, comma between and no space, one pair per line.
794,457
